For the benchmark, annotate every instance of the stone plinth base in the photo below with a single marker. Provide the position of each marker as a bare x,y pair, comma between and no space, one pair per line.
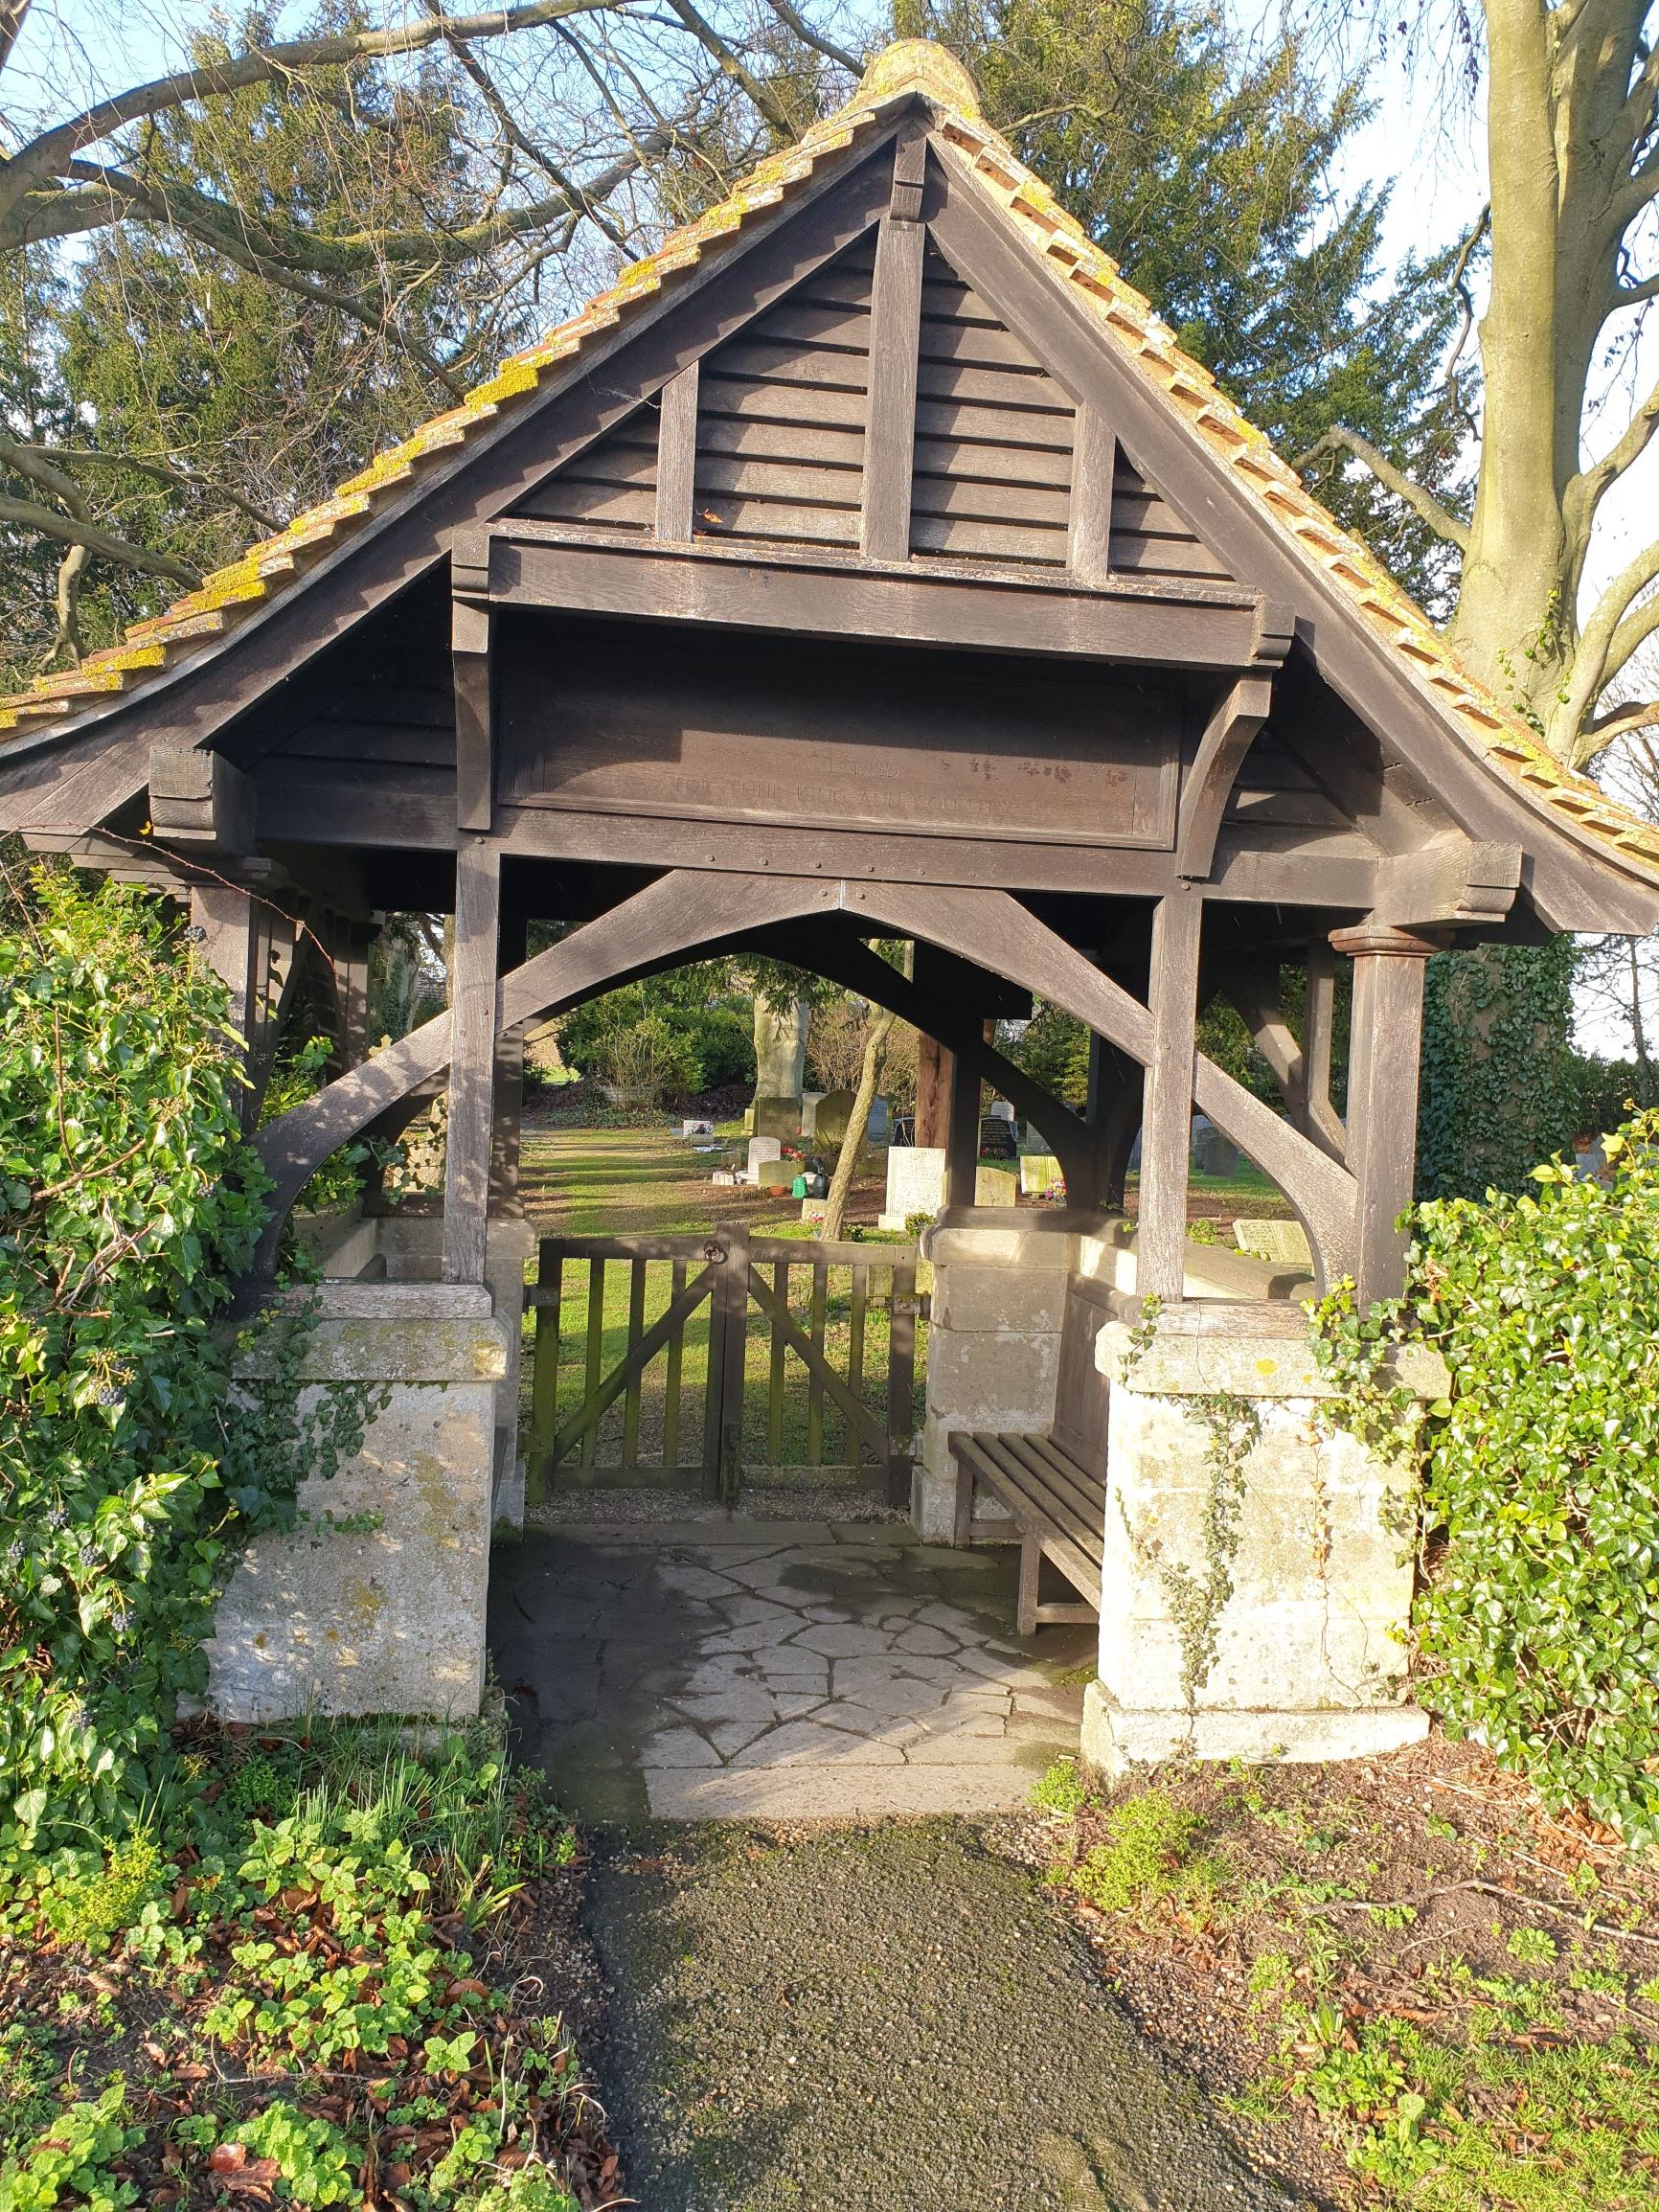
1115,1738
389,1621
1284,1635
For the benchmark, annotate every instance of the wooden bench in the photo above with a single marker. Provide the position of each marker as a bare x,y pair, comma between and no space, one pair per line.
1053,1485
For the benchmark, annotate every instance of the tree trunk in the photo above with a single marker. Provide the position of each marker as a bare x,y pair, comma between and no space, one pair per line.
858,1122
779,1048
1513,624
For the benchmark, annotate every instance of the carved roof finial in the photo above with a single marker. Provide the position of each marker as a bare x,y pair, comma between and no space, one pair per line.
919,65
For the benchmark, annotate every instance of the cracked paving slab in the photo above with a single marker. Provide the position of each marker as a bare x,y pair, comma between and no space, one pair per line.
716,1675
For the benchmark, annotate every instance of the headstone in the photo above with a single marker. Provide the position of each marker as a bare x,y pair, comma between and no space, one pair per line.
814,1209
915,1183
830,1118
1039,1174
727,1178
1283,1242
1212,1153
995,1186
762,1148
693,1128
1001,1110
777,1117
776,1175
880,1128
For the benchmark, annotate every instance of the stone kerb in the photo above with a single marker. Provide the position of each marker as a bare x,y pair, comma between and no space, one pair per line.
1310,1659
389,1620
998,1307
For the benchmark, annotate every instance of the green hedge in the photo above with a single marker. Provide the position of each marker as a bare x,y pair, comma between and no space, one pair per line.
1537,1616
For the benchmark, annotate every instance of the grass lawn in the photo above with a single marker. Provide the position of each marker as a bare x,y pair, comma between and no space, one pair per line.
643,1183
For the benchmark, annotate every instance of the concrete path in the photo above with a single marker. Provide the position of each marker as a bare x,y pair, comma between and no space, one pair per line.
887,2020
780,1671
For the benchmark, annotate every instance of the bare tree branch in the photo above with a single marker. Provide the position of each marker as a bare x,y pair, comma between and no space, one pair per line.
1423,504
1608,636
1621,721
12,15
786,12
74,530
185,479
743,77
48,155
224,237
1584,494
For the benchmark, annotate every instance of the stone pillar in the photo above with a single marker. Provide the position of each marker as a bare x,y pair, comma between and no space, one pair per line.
993,1344
1289,1642
389,1621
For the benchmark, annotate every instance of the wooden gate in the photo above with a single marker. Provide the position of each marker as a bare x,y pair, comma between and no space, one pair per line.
707,1361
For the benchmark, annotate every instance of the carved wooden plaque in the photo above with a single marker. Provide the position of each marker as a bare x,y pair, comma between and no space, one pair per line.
701,725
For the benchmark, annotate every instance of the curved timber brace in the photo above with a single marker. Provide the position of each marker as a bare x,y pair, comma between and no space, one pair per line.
690,909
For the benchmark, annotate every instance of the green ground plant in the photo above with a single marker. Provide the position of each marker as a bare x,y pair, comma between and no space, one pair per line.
1537,1619
132,1465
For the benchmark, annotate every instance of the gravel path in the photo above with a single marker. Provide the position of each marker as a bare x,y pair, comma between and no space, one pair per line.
885,2019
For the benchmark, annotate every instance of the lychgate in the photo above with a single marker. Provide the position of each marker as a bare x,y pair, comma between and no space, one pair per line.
868,562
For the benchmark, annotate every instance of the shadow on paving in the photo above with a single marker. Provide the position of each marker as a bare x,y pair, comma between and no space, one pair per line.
858,2019
833,2017
752,1670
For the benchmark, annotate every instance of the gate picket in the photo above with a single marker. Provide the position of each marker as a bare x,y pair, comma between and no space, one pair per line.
737,1277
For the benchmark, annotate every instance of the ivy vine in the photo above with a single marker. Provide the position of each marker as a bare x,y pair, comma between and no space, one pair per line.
1197,1598
1497,1091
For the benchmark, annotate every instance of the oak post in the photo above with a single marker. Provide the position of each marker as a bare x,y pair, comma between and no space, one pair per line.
934,1063
677,457
472,1060
469,652
1166,1131
961,1137
1384,1055
895,338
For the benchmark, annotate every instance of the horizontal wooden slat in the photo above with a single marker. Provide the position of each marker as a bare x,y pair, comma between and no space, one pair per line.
761,363
1302,809
1145,514
1164,556
986,540
1041,429
998,387
796,481
1084,1491
743,399
370,741
764,518
973,343
812,323
971,496
616,507
948,296
607,464
839,446
991,463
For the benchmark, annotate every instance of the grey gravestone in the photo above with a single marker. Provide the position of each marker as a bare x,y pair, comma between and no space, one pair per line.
1212,1153
777,1117
830,1121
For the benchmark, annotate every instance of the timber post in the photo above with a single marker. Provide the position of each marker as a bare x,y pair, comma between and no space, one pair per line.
1167,1131
1384,1058
472,1060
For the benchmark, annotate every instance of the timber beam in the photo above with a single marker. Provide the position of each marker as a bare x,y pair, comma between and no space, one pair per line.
200,802
1456,882
1168,625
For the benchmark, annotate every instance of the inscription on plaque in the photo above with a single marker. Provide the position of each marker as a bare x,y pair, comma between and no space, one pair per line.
717,726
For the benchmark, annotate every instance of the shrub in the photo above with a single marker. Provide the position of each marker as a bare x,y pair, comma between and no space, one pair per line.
129,1203
1497,1089
1538,1622
129,1200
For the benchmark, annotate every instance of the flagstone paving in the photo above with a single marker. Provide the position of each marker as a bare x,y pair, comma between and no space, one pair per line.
741,1670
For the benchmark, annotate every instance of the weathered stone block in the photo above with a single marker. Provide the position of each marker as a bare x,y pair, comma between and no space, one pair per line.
391,1620
1282,1242
915,1183
995,1186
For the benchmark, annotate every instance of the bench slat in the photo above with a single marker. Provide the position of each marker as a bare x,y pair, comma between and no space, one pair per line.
1035,1479
1088,1498
1033,1512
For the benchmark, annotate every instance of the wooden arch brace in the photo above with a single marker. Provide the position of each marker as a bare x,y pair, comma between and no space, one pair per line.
1208,784
691,908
